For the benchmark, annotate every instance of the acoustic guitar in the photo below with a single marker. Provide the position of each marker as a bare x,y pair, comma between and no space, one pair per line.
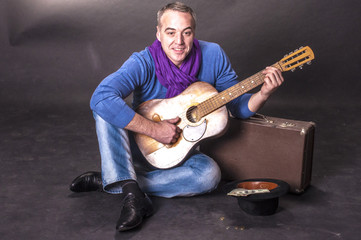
202,111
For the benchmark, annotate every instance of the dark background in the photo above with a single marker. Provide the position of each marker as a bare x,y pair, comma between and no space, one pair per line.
53,55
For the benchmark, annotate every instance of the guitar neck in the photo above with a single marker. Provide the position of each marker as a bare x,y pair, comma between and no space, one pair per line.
231,93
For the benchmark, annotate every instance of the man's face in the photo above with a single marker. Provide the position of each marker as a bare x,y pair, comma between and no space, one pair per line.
176,35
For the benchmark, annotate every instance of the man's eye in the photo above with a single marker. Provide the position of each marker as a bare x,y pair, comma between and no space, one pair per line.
170,33
188,33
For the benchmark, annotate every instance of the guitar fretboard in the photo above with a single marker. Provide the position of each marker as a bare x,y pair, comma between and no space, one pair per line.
231,93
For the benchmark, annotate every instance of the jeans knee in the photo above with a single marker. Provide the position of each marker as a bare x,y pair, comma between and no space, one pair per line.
209,175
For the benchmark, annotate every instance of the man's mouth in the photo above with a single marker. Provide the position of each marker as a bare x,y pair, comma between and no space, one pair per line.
178,50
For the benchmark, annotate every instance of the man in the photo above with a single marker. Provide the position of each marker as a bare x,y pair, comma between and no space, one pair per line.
164,69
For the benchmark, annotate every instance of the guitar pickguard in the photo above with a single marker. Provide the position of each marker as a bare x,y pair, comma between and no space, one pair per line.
194,133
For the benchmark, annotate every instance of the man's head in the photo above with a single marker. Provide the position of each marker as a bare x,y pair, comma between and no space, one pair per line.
176,30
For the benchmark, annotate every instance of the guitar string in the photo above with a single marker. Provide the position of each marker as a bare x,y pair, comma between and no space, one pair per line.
220,99
235,91
228,95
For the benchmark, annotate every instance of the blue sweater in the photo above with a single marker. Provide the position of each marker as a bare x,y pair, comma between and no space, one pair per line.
137,75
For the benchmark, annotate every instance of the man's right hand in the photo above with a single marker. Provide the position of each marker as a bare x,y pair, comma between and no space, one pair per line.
165,131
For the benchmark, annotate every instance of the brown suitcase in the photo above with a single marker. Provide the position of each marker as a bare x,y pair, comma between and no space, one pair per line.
265,147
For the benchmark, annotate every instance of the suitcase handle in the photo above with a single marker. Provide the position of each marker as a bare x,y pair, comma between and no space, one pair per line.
261,117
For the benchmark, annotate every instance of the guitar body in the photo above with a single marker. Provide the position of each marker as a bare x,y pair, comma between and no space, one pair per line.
214,124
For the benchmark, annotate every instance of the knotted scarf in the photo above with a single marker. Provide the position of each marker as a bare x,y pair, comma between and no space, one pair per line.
169,75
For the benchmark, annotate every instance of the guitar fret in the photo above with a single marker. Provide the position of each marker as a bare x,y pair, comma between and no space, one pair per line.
229,94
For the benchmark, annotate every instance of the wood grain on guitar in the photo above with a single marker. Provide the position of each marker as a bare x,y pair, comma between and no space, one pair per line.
202,112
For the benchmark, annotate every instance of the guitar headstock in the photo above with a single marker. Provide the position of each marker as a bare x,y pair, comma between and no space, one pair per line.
296,59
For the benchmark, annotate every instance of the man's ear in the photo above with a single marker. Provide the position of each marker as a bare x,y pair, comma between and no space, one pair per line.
158,33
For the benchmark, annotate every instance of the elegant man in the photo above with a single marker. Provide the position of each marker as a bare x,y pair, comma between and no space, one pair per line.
163,70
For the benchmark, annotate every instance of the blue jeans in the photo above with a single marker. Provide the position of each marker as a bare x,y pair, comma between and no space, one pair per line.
122,160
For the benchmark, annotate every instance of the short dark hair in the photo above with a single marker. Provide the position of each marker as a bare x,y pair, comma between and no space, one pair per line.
176,6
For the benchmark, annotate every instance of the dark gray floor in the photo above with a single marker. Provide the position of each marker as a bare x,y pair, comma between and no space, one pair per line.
42,150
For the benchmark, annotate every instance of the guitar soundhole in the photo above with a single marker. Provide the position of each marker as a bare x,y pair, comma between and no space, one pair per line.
192,114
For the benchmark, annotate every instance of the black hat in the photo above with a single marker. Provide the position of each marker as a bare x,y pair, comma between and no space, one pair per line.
261,204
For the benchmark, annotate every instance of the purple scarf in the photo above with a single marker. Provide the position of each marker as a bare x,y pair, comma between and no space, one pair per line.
169,75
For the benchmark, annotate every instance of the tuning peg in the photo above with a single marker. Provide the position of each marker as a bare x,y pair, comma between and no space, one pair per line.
300,48
309,63
293,69
285,55
301,66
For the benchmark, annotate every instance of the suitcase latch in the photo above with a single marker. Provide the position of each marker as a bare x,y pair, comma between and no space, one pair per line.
287,124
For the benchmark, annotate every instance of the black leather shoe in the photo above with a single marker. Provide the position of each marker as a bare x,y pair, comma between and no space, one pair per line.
89,181
134,209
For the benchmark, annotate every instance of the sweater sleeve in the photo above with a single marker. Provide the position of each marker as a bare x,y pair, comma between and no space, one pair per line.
227,77
108,98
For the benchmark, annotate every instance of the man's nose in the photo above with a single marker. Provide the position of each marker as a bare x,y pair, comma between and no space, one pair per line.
179,38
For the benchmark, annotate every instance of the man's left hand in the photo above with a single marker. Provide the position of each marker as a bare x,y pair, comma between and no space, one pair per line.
273,79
